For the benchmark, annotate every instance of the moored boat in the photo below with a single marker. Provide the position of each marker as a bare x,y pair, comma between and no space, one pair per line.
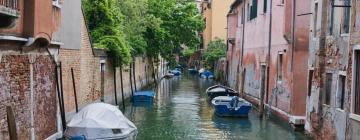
144,96
219,90
207,75
168,75
231,106
100,121
175,72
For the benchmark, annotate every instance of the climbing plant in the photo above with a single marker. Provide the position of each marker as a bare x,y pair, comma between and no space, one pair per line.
105,22
215,50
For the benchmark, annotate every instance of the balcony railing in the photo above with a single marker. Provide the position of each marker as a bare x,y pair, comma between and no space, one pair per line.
12,4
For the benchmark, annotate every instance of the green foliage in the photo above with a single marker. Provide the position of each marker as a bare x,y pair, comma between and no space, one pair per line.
116,47
188,53
138,27
178,24
105,22
215,50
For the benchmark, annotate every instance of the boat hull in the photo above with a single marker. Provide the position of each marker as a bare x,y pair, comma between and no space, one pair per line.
224,111
231,106
143,96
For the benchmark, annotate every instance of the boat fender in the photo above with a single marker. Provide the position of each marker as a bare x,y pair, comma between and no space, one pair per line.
234,102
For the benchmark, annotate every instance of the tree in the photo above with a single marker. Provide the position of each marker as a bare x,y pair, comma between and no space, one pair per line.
177,23
105,22
151,27
215,50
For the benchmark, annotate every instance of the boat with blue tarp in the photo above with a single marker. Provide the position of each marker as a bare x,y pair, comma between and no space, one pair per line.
219,90
231,106
207,74
144,96
175,72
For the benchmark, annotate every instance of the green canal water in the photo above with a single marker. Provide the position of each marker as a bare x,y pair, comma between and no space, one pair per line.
181,112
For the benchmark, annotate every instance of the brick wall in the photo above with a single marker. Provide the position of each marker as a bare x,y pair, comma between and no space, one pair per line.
88,76
15,91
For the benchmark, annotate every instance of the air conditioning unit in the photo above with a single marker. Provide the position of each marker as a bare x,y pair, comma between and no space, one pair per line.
56,3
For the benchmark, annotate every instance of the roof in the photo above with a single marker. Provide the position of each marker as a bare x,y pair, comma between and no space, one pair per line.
235,4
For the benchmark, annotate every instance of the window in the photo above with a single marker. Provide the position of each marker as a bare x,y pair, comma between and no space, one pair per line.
248,11
265,6
341,92
345,24
357,83
315,19
279,67
331,26
253,13
329,80
311,72
243,15
282,1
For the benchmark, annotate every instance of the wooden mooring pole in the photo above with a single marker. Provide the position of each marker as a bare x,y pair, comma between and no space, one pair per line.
11,123
74,87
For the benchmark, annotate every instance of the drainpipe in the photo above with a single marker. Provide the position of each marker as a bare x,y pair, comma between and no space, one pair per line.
242,51
32,104
293,34
268,64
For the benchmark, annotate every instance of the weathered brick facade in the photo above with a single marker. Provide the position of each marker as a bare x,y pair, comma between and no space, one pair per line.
330,99
86,65
18,73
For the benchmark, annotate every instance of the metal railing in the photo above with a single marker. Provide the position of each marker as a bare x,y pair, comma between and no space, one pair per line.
13,4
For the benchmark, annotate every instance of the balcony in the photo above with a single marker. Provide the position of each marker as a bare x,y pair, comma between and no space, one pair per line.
9,12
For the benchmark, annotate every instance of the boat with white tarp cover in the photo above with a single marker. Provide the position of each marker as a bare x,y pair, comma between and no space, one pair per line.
101,121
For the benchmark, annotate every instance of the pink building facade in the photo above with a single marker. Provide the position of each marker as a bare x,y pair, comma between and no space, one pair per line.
248,59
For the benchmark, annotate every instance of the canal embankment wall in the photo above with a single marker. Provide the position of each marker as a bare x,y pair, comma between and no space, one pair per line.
95,77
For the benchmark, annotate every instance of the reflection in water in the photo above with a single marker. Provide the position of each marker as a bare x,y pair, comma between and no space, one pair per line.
181,111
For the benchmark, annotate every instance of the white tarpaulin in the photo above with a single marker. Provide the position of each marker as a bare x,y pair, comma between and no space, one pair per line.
101,121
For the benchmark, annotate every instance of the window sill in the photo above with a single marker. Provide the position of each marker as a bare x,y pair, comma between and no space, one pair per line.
345,35
354,117
340,110
281,4
327,106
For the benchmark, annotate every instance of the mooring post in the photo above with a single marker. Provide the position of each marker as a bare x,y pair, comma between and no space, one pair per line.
11,123
131,87
134,74
74,87
116,102
122,86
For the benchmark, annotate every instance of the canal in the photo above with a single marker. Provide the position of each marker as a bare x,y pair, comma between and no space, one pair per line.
181,112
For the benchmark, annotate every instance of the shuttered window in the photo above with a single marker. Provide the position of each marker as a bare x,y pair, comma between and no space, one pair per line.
265,6
329,80
346,17
253,13
357,84
311,72
341,92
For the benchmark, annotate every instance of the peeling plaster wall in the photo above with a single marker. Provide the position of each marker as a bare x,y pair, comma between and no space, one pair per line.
286,98
329,121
